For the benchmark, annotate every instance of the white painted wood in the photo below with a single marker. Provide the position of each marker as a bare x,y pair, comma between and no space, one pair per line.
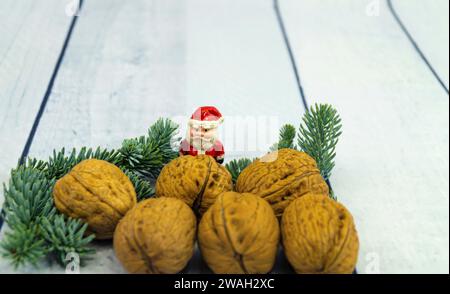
31,37
179,57
237,60
130,62
427,21
392,162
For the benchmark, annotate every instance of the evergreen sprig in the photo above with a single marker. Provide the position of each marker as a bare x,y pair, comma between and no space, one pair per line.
286,138
27,197
28,210
146,155
60,164
23,244
144,189
318,135
236,166
65,235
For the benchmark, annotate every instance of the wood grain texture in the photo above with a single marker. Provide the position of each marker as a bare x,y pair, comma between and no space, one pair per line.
130,62
392,162
237,60
32,35
427,21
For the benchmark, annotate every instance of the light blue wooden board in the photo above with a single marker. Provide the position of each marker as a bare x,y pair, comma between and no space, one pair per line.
131,62
392,162
427,21
31,37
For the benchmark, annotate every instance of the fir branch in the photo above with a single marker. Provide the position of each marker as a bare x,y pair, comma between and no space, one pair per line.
66,235
147,155
144,189
60,163
28,197
236,166
162,134
319,134
29,210
23,245
34,163
286,138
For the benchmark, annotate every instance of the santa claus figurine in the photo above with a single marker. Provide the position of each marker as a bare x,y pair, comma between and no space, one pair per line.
201,136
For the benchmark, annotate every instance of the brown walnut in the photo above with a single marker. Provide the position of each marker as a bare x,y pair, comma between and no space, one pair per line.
239,234
98,193
156,237
319,236
282,176
197,180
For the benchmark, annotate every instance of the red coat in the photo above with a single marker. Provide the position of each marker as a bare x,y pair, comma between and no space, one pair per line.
215,151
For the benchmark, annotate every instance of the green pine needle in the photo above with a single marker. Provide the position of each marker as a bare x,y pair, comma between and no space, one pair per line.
27,197
35,227
23,245
318,135
146,155
236,166
66,235
33,163
286,138
60,164
144,189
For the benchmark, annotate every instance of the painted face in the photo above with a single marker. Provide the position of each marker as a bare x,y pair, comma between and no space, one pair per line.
202,133
202,138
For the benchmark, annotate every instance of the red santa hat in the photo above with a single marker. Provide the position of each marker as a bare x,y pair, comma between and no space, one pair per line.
207,117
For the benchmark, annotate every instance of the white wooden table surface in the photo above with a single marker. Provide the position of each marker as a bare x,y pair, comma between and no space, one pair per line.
129,62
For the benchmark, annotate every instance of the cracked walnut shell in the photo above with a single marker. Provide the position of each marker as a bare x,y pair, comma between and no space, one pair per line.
98,193
319,236
239,234
281,176
197,180
156,237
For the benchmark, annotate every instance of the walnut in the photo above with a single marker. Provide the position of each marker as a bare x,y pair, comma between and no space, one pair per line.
98,193
281,176
157,236
197,180
239,234
319,236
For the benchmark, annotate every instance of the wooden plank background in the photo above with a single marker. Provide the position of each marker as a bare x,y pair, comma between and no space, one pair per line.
390,169
128,63
31,38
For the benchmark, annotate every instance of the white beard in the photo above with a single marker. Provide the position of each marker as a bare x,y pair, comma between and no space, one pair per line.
201,144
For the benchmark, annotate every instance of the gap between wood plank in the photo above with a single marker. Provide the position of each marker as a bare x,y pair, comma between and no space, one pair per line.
293,62
415,45
295,69
291,55
27,146
48,91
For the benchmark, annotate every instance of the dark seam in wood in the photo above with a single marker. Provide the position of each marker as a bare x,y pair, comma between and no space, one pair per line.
291,54
40,112
415,45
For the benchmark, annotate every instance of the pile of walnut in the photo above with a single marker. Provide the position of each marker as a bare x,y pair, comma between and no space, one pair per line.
238,231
